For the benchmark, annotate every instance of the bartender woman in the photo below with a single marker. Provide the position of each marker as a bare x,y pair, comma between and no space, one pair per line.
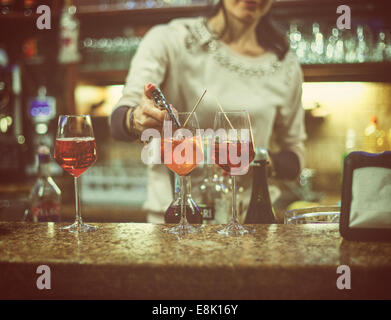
236,53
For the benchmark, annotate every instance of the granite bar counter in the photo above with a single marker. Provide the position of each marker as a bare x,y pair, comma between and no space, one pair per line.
140,261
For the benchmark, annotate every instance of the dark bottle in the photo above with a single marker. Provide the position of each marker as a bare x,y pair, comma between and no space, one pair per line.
173,213
260,209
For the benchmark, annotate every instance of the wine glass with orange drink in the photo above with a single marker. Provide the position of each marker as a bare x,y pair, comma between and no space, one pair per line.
181,152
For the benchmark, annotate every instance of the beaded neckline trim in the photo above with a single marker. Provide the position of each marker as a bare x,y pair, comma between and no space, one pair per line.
201,35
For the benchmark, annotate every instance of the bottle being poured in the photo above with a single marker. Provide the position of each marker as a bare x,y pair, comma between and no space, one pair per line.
160,101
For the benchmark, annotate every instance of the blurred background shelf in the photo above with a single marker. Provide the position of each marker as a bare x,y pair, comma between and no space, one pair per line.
102,77
19,14
97,11
370,71
327,8
159,12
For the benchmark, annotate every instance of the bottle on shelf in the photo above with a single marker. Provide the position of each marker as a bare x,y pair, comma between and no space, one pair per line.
208,194
215,200
374,138
29,7
334,49
213,192
173,213
69,35
294,36
350,143
7,6
45,196
350,43
209,187
260,209
316,45
350,146
387,51
363,45
379,51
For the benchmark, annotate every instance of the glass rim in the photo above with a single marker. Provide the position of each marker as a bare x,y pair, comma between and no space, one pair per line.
317,209
234,111
180,113
315,214
191,116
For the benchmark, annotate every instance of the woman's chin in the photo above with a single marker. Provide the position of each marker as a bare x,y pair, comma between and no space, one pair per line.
247,16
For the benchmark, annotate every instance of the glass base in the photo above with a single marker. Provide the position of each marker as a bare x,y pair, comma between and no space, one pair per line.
182,229
234,228
79,227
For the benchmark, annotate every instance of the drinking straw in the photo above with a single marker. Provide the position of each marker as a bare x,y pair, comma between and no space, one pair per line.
194,108
221,109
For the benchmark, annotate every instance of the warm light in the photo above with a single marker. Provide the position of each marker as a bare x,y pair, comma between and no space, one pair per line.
349,104
21,139
334,94
87,96
346,110
3,125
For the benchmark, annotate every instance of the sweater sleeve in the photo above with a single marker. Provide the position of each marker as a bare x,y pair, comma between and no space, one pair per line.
118,125
149,64
289,124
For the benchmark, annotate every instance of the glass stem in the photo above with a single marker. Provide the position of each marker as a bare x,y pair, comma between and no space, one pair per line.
234,212
77,199
183,221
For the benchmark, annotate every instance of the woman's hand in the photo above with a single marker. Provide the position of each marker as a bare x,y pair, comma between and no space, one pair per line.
146,115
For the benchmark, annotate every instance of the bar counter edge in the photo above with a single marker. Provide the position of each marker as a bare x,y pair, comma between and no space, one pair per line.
141,261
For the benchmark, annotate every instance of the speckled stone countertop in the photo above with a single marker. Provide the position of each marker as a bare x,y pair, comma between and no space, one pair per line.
139,261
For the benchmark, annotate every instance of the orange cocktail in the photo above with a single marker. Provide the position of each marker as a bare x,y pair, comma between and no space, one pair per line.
181,155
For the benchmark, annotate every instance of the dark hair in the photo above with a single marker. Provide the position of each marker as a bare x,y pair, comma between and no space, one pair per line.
269,35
